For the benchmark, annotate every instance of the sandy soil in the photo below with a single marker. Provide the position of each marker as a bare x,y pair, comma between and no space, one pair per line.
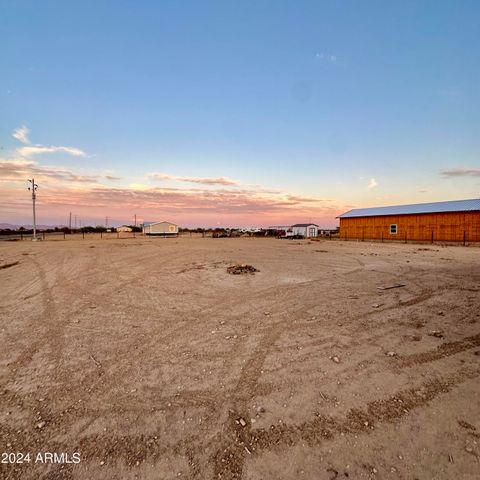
151,361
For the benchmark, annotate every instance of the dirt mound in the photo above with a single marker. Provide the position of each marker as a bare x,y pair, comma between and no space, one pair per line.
241,269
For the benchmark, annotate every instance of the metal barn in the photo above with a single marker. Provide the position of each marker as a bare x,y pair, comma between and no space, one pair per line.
452,221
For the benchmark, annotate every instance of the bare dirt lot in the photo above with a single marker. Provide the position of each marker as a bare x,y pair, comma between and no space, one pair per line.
152,362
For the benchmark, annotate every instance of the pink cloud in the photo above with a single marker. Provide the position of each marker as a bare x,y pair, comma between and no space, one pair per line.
188,207
20,170
202,180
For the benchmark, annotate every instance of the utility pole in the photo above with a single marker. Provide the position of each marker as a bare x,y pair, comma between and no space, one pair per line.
33,187
70,221
135,220
106,222
75,222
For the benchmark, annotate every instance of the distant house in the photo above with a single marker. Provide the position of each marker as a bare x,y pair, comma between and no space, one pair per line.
160,228
305,229
124,228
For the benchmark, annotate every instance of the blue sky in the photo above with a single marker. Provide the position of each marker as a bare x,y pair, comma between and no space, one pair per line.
308,107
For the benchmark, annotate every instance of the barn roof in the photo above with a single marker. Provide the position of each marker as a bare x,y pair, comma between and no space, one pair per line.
436,207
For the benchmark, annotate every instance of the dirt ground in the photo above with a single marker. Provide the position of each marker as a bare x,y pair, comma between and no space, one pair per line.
150,361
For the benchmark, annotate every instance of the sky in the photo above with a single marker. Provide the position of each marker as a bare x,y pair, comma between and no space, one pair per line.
250,113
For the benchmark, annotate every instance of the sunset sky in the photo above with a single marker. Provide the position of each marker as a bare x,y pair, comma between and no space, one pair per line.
247,113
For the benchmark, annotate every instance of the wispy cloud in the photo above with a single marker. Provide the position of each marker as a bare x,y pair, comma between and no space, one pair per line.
201,180
178,201
461,172
372,183
40,149
21,134
301,199
187,199
326,57
20,170
188,205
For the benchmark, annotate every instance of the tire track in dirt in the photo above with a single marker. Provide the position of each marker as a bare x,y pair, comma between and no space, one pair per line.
443,350
194,446
49,339
48,313
247,386
228,458
231,447
240,442
193,451
209,399
166,337
102,381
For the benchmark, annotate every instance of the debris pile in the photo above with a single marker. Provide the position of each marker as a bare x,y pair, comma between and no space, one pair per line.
241,269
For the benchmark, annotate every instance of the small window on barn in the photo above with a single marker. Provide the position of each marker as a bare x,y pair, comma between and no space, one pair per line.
171,228
393,229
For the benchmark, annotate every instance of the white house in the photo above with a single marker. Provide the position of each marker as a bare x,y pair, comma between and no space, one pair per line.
305,229
124,228
160,228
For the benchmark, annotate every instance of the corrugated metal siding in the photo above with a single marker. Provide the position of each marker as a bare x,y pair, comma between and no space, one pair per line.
419,208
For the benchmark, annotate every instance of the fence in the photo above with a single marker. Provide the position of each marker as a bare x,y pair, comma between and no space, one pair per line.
18,236
61,236
431,238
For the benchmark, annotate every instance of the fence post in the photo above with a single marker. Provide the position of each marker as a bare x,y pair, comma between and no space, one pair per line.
83,234
21,236
405,236
363,234
464,238
432,236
